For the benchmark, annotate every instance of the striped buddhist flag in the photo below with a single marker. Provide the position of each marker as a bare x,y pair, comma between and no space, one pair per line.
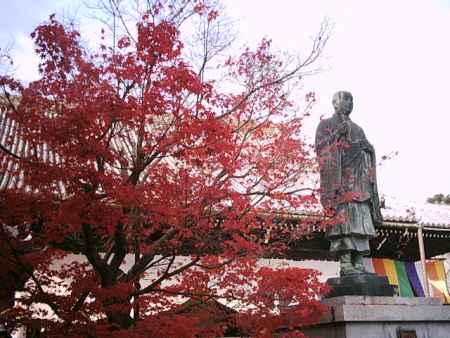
391,272
386,267
438,282
419,269
378,266
368,264
414,279
403,280
439,265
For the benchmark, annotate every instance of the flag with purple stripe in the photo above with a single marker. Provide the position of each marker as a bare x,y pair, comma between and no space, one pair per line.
414,279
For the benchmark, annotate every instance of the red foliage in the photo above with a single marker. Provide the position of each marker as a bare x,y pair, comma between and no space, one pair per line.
156,180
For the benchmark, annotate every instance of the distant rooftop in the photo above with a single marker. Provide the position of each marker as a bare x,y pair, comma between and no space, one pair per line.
426,214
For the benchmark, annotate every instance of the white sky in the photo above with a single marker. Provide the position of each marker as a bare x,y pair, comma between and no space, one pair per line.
393,55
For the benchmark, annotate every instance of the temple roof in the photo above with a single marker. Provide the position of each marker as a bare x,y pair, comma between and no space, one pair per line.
425,214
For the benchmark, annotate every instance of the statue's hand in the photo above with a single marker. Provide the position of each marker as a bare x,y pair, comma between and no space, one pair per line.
343,128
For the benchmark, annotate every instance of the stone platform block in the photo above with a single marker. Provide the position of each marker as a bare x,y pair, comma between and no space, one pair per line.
382,317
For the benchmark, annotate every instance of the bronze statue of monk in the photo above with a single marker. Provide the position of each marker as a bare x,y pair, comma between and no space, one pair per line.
348,184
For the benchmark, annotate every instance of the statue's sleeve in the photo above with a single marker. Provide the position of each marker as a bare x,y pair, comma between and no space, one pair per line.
374,197
375,200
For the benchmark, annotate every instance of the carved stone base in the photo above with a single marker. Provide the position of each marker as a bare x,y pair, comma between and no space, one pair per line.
364,284
382,317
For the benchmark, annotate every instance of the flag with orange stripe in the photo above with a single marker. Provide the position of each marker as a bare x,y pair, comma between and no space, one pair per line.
378,266
438,280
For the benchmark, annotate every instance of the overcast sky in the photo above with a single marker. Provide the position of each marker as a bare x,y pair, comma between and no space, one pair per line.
393,55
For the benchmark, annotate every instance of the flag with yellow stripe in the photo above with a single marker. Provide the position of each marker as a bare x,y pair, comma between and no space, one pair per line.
391,272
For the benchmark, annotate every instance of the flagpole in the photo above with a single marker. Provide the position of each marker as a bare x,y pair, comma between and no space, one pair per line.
422,259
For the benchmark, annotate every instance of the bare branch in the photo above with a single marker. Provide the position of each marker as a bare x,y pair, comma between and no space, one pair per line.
166,275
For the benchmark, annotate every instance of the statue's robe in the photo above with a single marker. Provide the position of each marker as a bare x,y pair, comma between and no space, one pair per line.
348,184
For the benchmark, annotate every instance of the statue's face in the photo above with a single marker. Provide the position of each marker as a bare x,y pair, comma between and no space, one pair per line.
344,103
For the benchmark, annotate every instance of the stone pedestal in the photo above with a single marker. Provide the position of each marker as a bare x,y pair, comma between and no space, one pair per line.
379,317
364,284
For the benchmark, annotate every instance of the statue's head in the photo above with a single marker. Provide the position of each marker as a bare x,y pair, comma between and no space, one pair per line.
343,102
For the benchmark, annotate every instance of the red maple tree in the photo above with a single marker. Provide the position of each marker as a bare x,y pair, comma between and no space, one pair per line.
136,188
